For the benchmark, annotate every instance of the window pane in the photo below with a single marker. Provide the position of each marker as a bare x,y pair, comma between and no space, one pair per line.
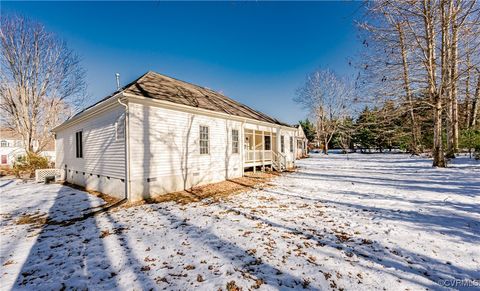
78,144
204,142
268,143
282,144
81,144
235,147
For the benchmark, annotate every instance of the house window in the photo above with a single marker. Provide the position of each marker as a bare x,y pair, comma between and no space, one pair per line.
291,144
204,141
18,143
268,143
235,141
4,159
79,144
3,143
282,144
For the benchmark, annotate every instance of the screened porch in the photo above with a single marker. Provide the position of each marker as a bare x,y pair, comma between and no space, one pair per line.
258,147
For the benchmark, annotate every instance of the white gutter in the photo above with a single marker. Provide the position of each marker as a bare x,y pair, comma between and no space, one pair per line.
127,149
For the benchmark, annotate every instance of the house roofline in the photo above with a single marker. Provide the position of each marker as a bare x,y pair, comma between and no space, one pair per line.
90,111
112,100
196,110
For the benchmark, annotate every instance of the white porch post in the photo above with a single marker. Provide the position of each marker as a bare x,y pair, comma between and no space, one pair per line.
263,150
295,147
242,147
271,149
254,150
278,141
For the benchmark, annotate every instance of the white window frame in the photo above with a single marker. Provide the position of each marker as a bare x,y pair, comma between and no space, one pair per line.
235,142
291,144
79,144
204,149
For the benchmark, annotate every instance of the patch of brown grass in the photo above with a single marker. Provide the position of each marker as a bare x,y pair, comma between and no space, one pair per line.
9,262
215,191
38,219
108,199
107,232
6,170
232,286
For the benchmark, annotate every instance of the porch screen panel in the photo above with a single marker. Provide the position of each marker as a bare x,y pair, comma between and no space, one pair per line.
282,144
268,143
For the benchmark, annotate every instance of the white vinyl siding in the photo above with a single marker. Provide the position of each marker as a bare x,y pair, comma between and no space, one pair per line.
102,153
120,128
164,148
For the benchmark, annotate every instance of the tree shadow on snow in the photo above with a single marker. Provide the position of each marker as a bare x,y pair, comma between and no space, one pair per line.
240,258
388,260
71,255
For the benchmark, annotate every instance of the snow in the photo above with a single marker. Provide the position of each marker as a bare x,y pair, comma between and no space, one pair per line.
372,221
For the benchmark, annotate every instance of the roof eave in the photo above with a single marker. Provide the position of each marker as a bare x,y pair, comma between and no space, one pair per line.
90,111
173,105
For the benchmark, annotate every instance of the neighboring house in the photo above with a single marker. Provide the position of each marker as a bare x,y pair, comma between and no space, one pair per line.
302,143
159,134
11,147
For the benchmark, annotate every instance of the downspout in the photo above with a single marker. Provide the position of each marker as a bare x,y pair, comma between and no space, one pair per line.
127,150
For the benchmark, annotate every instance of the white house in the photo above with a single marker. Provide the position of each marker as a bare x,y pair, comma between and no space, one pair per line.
11,147
158,135
302,143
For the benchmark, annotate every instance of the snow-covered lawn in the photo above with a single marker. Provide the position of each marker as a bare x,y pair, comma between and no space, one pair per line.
363,222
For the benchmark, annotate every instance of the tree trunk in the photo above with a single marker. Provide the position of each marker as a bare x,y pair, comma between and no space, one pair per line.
468,103
445,85
454,80
325,146
408,91
438,158
476,101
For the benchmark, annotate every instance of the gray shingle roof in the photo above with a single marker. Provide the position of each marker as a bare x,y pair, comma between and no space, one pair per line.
161,87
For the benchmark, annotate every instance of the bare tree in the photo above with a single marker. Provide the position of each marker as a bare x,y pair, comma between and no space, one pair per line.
436,42
41,80
390,66
326,96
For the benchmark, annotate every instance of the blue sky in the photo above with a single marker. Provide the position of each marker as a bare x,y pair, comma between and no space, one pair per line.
255,52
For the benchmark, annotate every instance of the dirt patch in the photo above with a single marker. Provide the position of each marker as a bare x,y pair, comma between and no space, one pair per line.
6,171
38,219
108,199
214,192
